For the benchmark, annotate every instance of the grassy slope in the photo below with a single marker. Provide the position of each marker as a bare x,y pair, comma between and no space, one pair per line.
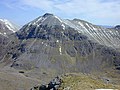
84,82
16,81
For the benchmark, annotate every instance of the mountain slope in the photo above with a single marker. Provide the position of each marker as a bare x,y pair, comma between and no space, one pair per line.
85,82
49,46
16,81
6,27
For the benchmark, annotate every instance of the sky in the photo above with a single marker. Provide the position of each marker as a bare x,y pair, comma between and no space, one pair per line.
99,12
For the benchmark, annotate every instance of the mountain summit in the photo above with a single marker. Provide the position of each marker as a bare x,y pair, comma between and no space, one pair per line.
47,14
47,19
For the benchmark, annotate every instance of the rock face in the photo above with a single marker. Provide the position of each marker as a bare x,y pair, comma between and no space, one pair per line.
117,27
51,45
52,85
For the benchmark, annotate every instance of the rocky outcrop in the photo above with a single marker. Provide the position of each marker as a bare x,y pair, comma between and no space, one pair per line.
53,85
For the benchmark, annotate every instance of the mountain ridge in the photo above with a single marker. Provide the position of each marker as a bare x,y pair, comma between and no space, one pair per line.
95,33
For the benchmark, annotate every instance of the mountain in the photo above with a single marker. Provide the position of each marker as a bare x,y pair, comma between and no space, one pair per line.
95,33
64,45
49,46
7,28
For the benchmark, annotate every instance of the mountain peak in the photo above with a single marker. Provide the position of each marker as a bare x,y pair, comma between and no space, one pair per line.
47,19
47,14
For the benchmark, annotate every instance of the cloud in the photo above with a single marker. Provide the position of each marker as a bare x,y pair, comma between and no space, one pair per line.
91,8
45,5
101,9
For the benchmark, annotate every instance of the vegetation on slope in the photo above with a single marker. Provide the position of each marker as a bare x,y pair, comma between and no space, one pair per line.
84,82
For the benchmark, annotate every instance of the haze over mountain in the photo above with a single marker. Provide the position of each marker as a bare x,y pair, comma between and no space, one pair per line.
49,46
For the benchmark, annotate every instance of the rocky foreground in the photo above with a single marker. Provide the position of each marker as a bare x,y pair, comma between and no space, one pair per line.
77,81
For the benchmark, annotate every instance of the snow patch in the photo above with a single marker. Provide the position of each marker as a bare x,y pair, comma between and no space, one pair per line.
63,26
58,18
60,50
67,22
36,22
39,19
3,34
82,25
57,41
88,26
1,20
93,27
46,45
8,24
37,25
106,89
29,24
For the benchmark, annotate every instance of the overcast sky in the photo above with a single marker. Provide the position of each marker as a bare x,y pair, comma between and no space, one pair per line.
100,12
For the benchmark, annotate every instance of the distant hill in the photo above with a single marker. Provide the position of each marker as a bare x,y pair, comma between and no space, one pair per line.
106,26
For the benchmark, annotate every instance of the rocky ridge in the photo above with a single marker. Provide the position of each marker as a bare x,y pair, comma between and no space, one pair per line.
95,33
